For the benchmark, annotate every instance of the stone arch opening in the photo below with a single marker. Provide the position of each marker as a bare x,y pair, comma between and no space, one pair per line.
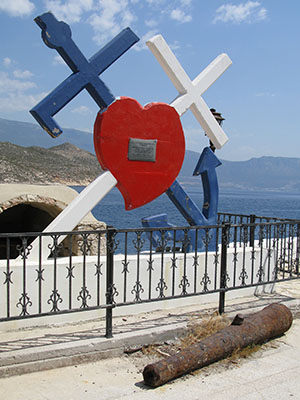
27,217
24,218
31,208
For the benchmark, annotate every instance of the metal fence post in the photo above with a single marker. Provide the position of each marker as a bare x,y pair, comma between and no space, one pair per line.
252,229
110,233
223,271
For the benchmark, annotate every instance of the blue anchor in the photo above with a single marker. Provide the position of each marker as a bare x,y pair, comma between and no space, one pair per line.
57,35
206,167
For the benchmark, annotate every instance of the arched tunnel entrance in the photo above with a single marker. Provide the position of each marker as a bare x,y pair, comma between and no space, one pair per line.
24,218
21,218
31,208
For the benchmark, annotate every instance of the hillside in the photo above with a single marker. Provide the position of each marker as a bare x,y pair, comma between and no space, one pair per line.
65,164
74,163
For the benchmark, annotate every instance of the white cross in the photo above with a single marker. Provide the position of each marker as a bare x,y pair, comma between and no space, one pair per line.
190,91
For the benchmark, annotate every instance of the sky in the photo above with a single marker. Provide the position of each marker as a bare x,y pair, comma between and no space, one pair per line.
258,95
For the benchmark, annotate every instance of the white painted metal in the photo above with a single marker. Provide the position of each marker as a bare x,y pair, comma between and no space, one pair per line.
190,91
70,217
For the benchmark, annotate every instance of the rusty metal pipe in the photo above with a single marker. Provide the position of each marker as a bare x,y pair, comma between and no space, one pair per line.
257,328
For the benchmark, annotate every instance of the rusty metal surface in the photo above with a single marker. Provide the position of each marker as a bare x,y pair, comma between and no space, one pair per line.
266,324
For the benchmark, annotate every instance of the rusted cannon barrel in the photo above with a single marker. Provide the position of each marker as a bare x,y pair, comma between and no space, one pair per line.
266,324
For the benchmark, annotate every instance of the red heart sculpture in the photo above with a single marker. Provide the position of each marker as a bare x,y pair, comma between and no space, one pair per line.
143,147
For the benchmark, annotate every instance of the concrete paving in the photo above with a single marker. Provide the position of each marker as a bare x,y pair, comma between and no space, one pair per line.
271,373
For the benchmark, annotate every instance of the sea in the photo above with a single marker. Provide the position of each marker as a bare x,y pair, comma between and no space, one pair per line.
111,209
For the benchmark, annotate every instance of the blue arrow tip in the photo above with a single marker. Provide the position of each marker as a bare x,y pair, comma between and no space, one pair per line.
208,160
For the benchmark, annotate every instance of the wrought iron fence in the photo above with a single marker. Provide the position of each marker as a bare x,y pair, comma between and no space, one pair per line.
111,268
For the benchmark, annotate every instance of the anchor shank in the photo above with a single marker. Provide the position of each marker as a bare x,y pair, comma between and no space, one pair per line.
210,193
185,204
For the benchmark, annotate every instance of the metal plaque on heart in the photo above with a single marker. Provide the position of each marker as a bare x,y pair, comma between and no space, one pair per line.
142,150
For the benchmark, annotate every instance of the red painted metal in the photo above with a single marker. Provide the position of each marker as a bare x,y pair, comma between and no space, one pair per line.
257,328
140,181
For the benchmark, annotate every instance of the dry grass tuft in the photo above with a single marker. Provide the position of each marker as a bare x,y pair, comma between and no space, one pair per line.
200,330
196,331
151,349
244,353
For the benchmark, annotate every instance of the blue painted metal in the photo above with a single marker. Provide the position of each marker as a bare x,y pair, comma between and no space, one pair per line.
158,221
57,35
206,167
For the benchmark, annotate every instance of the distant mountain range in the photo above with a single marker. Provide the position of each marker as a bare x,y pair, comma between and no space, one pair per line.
31,134
31,155
263,173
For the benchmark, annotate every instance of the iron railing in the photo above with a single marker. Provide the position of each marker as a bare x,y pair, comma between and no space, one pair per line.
120,267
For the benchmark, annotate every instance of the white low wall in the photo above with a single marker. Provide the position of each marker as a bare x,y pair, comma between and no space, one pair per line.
240,262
